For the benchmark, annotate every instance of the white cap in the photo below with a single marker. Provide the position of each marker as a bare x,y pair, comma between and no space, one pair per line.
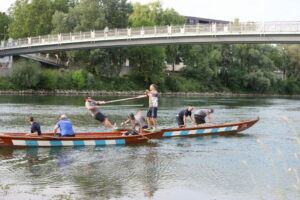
62,117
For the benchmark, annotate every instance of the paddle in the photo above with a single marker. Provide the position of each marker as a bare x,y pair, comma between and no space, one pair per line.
125,99
114,106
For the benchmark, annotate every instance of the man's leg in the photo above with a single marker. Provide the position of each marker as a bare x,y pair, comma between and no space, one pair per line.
149,122
154,123
108,124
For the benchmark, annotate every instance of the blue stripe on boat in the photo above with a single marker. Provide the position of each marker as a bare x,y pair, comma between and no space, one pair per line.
31,143
184,133
215,130
55,143
166,134
229,128
78,143
200,131
120,142
100,142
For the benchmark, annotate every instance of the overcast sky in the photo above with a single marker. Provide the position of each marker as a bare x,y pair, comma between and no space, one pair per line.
245,10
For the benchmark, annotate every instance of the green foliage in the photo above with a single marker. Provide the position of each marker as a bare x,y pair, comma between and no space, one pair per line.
4,24
26,74
78,79
49,79
31,18
5,84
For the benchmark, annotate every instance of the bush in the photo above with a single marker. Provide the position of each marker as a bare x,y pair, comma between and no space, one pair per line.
5,84
26,74
78,79
48,80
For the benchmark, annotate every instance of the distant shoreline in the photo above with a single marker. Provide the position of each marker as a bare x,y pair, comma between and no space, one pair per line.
133,93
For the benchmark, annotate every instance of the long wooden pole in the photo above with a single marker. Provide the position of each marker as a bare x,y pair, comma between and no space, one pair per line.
125,99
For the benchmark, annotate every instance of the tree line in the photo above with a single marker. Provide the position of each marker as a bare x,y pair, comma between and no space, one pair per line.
239,68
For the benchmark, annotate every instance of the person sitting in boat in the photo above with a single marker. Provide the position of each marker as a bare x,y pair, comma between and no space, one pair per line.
141,119
35,127
91,105
200,116
182,116
65,127
136,126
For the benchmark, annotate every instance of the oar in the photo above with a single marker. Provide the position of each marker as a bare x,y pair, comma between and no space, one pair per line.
135,105
125,99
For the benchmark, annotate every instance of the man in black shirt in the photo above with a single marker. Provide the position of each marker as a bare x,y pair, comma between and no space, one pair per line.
182,115
35,127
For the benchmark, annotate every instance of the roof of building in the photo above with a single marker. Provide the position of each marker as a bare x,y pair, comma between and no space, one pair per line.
207,19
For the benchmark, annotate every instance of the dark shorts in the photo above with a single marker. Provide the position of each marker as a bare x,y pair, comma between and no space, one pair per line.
152,112
59,135
179,121
131,133
99,116
199,119
145,127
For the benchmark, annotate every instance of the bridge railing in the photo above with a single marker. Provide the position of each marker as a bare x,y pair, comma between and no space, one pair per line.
162,31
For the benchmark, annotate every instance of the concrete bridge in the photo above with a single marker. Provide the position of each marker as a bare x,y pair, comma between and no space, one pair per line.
251,32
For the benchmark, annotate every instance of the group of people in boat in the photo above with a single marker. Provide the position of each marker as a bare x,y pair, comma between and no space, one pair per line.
136,121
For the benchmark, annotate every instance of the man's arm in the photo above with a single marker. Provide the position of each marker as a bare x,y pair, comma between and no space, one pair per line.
192,120
184,121
210,119
55,129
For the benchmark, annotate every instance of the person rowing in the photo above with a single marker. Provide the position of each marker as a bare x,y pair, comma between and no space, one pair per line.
139,118
91,105
65,126
135,128
200,116
35,127
183,115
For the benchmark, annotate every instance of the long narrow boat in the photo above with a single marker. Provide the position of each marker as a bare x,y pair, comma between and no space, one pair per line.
80,139
221,129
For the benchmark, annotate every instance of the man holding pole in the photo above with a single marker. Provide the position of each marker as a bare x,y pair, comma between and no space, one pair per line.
91,105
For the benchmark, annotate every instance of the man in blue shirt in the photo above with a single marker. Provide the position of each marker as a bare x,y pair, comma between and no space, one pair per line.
65,126
35,127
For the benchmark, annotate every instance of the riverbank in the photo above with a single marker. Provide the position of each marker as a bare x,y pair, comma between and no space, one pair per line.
133,93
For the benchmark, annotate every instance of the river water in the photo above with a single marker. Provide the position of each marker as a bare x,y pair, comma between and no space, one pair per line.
259,163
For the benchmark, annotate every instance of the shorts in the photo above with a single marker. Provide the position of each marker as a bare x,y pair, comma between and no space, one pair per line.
145,127
199,119
59,135
179,121
131,133
152,112
100,117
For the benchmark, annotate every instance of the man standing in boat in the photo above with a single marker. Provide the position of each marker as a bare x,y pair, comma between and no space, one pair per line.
153,104
183,115
200,116
91,105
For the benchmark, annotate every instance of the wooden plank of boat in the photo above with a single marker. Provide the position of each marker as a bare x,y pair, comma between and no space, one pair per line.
221,129
80,139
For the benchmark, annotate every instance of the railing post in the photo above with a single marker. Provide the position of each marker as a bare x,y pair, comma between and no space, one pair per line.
93,34
169,30
129,32
142,32
29,40
155,30
198,28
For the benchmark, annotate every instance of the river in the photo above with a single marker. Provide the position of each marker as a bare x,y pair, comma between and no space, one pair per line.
259,163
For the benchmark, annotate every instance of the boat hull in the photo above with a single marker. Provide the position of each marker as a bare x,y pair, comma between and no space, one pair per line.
81,139
222,129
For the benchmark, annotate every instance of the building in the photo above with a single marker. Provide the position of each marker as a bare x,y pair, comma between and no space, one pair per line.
195,20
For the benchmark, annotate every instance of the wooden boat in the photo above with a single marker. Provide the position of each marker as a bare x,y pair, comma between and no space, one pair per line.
214,130
80,139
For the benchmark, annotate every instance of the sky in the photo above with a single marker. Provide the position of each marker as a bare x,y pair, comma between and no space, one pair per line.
245,10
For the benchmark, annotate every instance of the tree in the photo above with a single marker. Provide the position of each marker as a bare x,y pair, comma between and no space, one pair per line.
4,24
26,74
31,18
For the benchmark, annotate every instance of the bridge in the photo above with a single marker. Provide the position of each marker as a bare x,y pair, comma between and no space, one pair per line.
251,32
